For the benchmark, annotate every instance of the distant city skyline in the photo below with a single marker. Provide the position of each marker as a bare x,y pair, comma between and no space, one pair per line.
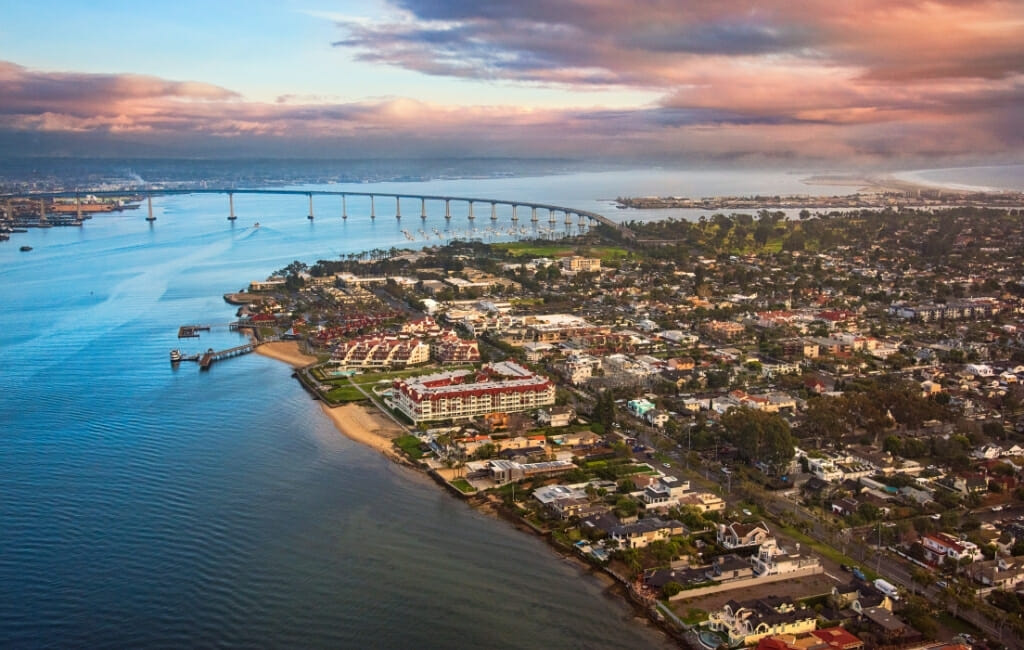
895,83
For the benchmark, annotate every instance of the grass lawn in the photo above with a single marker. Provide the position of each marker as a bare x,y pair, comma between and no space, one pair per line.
374,377
344,393
527,249
957,625
607,253
693,616
462,485
411,446
827,551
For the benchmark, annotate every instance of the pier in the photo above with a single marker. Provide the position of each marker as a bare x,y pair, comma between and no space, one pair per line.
191,331
211,355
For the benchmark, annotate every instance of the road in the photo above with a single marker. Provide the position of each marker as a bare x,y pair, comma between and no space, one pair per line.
879,560
892,569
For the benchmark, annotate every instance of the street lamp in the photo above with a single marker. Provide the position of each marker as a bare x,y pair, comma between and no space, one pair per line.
878,550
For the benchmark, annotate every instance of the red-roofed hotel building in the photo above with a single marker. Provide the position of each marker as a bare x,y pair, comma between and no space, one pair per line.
460,394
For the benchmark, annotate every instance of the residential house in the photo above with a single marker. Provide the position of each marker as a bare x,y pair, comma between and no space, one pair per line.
556,416
747,622
663,493
645,531
845,507
772,559
838,638
639,407
824,468
939,546
656,417
739,535
1001,573
727,568
702,501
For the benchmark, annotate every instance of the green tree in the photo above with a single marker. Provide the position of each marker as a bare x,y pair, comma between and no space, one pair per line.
760,437
670,589
604,411
626,507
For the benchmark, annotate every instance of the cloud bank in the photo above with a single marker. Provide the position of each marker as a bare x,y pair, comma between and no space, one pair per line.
875,80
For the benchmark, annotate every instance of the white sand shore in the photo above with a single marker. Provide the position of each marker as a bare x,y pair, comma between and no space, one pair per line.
287,351
365,425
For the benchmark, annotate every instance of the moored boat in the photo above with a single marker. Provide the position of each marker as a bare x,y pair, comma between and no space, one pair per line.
25,249
175,356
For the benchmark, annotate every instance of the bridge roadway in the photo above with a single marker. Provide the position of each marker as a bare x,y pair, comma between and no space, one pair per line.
583,214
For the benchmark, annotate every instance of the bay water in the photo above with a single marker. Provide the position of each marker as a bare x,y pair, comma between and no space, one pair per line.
147,506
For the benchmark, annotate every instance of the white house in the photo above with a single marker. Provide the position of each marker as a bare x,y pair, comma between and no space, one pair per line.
772,559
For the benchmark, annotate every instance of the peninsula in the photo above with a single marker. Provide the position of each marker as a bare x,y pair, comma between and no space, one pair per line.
758,427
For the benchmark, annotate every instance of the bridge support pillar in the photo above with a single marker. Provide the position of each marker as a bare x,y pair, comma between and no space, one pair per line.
149,208
533,214
515,217
447,208
344,208
568,218
494,211
398,208
423,208
310,217
373,209
471,217
551,216
78,207
42,211
231,207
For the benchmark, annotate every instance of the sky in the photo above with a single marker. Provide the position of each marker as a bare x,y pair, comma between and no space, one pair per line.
896,83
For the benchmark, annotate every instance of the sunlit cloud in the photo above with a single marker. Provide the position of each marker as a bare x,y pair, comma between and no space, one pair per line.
875,80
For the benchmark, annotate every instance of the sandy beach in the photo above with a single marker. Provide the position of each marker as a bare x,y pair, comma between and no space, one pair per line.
364,425
287,351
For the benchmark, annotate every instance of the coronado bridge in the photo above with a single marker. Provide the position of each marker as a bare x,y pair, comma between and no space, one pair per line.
583,217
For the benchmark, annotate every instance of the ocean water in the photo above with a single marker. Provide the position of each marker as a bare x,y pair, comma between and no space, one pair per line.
146,506
985,178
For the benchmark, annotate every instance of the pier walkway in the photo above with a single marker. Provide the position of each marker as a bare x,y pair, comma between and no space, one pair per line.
211,355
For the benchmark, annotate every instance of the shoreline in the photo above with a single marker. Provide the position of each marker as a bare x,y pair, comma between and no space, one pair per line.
366,425
286,351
